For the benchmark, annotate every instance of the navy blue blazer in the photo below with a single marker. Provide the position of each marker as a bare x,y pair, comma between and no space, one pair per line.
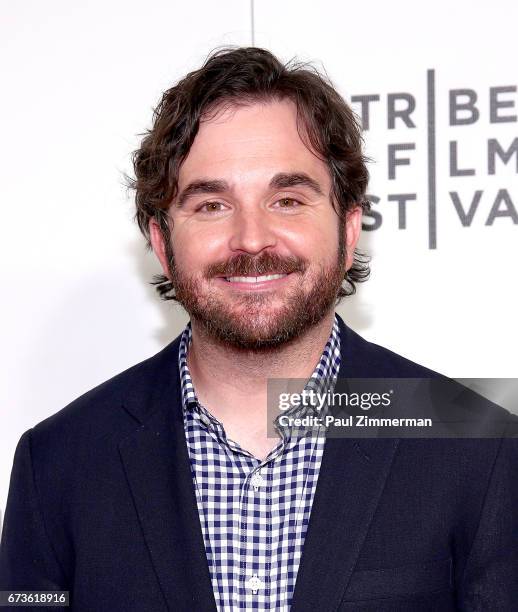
101,503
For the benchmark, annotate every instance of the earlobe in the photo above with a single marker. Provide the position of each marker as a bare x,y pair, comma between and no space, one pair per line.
158,245
353,226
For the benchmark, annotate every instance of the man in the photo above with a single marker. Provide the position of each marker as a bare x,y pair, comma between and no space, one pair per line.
161,488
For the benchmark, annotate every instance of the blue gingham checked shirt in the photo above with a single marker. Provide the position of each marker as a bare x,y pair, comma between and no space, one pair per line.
254,513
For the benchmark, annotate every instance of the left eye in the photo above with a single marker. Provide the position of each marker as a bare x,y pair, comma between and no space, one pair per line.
288,203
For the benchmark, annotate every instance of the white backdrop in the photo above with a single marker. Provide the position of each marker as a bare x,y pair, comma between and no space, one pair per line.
79,84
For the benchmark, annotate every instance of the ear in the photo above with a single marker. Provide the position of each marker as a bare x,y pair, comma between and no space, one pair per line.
158,244
353,228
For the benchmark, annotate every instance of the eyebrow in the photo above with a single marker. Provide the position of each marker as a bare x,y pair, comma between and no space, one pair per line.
199,187
282,180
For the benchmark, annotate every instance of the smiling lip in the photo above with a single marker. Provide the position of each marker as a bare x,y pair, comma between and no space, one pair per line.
254,285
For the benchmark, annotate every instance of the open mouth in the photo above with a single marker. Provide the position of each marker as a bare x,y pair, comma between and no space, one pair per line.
253,279
254,282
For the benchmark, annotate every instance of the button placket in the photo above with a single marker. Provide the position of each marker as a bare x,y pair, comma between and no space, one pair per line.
245,579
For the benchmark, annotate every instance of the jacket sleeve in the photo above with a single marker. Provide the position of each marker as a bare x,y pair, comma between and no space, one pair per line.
27,559
490,580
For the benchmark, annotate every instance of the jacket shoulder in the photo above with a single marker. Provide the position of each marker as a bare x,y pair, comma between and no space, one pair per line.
367,359
401,366
100,408
364,359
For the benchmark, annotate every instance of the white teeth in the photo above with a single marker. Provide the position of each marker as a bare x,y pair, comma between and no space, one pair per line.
253,279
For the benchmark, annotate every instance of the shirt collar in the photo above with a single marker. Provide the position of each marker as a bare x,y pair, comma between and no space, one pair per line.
322,379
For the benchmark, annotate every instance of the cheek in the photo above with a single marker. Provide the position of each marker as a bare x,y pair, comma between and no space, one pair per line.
196,247
316,241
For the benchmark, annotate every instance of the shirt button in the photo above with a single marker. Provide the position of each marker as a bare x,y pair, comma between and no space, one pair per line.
255,584
204,419
257,480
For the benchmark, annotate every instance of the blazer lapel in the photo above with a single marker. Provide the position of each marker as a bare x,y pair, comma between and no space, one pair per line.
350,483
157,467
351,480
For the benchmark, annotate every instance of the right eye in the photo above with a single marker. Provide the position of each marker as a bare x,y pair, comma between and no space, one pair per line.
210,207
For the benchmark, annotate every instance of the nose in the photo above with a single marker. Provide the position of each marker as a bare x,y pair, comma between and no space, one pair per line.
252,231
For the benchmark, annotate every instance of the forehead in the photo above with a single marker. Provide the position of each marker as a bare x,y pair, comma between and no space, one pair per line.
252,141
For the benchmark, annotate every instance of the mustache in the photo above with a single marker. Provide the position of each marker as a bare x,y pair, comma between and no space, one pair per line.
267,263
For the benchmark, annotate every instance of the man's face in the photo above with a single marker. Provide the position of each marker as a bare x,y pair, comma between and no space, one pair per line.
254,201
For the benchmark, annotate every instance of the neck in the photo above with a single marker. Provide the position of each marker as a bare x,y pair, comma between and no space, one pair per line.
232,383
247,371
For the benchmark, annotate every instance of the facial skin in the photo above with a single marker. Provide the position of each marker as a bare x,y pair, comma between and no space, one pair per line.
254,200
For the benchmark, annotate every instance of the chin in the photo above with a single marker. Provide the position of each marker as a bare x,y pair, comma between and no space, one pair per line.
254,342
266,332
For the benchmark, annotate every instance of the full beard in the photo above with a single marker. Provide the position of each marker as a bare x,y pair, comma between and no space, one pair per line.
248,321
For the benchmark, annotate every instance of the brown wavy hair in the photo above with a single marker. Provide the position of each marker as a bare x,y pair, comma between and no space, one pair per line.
239,76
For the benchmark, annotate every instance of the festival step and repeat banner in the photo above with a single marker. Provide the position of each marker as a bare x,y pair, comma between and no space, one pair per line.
435,87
